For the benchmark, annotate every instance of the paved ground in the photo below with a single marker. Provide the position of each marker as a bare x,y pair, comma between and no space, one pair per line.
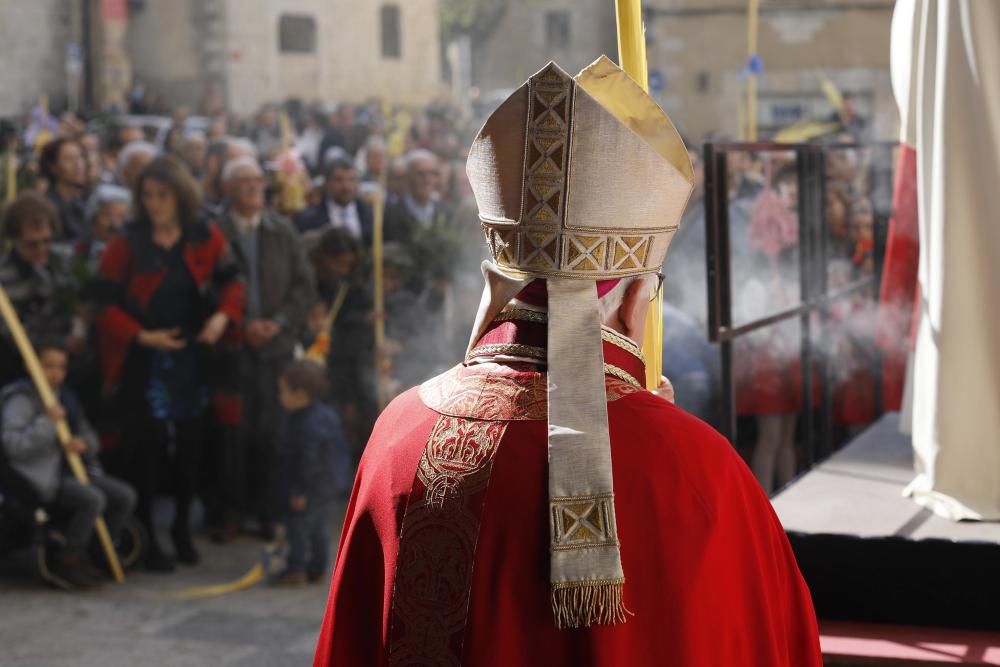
138,624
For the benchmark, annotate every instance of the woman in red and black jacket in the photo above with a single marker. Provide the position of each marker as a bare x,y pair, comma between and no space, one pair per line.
169,288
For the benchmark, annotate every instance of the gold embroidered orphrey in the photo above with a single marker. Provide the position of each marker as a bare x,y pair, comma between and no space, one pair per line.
493,391
430,600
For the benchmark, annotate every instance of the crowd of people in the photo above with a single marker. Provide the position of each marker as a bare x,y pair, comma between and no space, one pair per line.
201,297
178,274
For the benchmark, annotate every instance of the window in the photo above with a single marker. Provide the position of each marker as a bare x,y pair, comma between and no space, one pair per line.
703,82
557,29
391,40
296,34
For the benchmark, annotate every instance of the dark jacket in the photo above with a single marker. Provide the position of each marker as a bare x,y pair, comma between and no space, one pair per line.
45,302
316,462
285,280
402,226
318,217
350,363
131,273
72,216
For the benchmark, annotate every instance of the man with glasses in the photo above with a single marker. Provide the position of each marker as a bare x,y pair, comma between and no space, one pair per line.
420,208
279,290
37,280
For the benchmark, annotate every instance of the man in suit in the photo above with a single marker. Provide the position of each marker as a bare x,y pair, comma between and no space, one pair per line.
419,209
279,289
341,208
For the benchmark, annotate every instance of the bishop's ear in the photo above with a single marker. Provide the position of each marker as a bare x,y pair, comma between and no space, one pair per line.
635,308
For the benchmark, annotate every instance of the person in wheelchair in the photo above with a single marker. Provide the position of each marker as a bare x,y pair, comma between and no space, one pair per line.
32,450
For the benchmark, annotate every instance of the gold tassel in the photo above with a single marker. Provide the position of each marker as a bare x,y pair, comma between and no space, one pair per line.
582,604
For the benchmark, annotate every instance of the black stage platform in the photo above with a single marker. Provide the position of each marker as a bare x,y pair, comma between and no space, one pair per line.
871,555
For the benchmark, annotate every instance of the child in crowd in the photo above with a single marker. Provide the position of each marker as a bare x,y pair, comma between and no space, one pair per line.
32,448
316,470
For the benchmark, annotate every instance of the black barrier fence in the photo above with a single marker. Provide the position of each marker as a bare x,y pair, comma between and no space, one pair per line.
795,238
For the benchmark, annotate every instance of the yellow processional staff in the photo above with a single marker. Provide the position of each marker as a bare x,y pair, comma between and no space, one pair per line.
632,59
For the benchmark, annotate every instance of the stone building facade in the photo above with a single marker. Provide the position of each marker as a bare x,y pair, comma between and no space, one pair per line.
698,48
33,38
530,33
266,50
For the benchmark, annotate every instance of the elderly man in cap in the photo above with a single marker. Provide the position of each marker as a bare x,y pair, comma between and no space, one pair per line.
536,505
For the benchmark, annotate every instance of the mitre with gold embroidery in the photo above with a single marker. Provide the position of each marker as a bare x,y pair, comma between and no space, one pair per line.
578,179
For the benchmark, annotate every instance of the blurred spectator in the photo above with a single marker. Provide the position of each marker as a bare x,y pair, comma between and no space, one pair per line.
132,160
117,137
218,128
343,132
278,292
91,144
36,279
744,181
376,160
192,150
333,137
342,208
171,140
838,206
419,208
31,445
63,164
107,210
862,229
335,257
410,348
170,286
316,471
396,181
769,381
218,153
308,143
266,132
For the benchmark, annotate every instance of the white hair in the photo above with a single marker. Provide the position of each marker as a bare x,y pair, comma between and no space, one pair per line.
194,135
376,141
233,166
106,193
418,154
133,149
333,154
241,144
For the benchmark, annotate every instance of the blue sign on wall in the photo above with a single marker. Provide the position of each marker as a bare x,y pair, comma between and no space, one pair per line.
657,81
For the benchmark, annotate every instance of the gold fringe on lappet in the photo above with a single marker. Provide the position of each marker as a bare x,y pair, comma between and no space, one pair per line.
580,604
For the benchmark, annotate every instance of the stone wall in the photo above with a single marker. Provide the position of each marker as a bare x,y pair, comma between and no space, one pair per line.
33,39
699,46
347,64
518,45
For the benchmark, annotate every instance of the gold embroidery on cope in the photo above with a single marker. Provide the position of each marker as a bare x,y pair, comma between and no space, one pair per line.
493,391
430,600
